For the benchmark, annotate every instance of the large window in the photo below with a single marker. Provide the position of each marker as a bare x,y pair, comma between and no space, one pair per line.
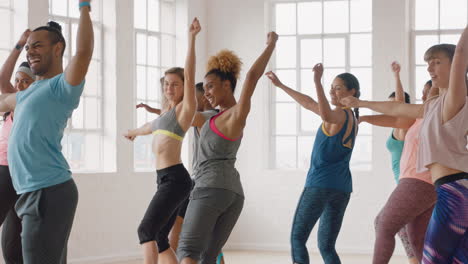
435,21
336,33
155,40
83,142
6,43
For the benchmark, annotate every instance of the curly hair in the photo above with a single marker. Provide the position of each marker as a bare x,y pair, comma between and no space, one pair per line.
226,65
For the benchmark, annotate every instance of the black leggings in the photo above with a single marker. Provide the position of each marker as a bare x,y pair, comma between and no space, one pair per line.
11,234
174,186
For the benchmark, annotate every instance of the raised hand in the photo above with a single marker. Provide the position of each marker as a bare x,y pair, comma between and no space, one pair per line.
274,79
195,27
396,67
24,37
350,101
272,38
318,72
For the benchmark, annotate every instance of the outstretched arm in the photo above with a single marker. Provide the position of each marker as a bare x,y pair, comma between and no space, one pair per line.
254,74
149,108
399,92
78,66
387,121
326,113
456,95
397,109
141,131
8,67
304,100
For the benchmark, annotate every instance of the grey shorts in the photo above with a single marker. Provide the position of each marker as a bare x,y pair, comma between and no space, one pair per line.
211,215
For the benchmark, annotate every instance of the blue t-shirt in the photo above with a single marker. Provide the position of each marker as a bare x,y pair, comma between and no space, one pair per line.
329,164
34,149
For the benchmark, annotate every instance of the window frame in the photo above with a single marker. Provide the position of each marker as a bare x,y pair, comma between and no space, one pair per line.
298,68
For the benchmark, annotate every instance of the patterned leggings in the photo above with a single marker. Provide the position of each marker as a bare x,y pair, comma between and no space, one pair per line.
447,236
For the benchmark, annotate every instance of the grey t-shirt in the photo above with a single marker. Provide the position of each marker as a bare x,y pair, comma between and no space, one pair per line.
216,158
196,136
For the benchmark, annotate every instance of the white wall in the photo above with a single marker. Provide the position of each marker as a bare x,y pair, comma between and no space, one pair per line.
112,204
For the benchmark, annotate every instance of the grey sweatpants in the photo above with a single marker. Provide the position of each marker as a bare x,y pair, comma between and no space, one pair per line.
211,215
47,218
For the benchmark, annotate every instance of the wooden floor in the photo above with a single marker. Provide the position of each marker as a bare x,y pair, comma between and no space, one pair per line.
255,257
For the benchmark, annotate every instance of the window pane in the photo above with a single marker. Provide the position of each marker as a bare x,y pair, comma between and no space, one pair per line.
309,18
153,51
286,118
5,3
141,48
307,83
92,112
422,43
286,52
141,116
311,52
361,50
334,52
304,145
92,79
310,121
168,17
141,83
286,152
96,12
153,15
93,151
364,76
97,43
285,19
168,51
144,158
336,16
6,27
154,85
427,14
73,38
73,9
422,76
59,7
288,78
139,13
76,150
453,14
361,15
77,117
450,38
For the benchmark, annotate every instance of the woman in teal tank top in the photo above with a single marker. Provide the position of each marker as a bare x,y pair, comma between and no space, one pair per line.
328,185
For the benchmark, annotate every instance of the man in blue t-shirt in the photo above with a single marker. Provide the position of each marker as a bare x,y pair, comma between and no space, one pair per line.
39,171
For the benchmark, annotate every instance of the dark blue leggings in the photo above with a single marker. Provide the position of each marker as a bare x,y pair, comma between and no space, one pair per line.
328,205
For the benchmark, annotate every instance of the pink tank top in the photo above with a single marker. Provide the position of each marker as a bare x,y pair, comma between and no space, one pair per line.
410,153
4,136
443,143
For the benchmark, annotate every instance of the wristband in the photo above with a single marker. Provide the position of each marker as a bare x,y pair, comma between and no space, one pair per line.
82,4
18,47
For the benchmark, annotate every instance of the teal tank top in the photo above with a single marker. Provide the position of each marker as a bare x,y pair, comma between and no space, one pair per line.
329,164
395,147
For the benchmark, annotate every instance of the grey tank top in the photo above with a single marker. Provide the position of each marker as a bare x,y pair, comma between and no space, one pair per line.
167,124
196,137
216,159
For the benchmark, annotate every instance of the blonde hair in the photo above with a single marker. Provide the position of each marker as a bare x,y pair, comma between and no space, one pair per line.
226,65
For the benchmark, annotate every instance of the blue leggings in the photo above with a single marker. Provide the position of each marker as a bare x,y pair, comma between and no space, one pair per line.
447,237
330,207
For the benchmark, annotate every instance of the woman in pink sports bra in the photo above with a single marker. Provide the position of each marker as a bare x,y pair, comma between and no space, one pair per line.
442,149
11,239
